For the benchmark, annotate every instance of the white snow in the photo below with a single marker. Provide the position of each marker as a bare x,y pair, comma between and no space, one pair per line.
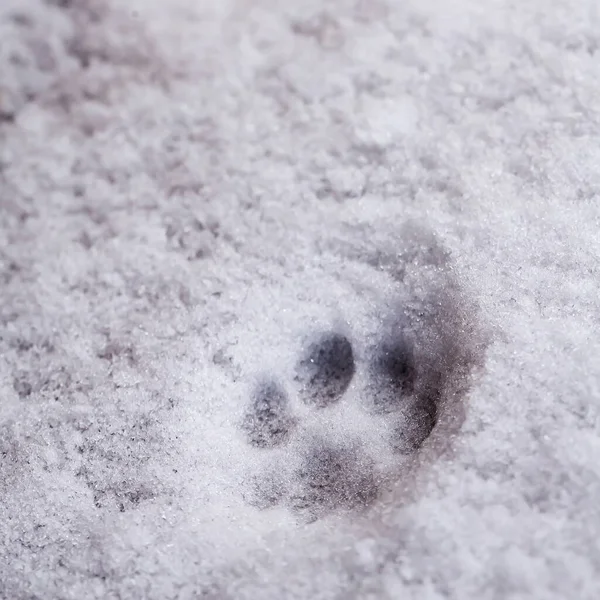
190,190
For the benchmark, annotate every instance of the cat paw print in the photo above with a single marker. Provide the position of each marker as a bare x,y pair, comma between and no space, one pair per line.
325,455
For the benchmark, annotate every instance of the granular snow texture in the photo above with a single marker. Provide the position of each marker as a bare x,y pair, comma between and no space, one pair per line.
299,299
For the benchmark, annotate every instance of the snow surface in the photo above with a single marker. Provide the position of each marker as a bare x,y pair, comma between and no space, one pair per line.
192,190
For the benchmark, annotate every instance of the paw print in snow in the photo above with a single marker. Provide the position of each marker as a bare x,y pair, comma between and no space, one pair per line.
320,471
350,416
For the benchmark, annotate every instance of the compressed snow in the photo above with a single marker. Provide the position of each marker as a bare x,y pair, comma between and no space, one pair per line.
192,193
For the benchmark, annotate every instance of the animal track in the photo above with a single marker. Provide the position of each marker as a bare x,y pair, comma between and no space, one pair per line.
354,415
329,474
